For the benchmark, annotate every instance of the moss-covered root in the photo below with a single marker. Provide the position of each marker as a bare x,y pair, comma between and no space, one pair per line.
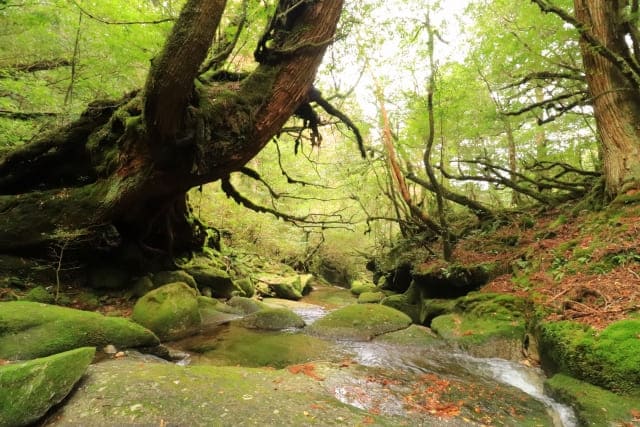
595,406
29,389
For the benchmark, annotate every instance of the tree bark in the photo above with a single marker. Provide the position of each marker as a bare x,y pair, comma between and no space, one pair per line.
616,97
130,162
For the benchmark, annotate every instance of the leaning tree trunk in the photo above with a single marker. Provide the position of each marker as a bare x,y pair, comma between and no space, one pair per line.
616,95
129,163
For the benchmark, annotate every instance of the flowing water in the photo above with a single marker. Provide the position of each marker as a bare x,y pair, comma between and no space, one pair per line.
416,382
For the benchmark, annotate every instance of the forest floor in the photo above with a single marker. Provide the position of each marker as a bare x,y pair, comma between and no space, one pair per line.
583,266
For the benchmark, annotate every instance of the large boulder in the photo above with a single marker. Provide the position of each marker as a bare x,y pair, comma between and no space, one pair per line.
29,330
171,311
246,305
360,322
216,279
272,319
29,389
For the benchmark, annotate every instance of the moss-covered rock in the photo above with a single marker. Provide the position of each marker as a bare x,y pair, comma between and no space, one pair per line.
290,287
29,389
432,308
272,319
414,335
171,311
359,286
609,359
133,393
360,322
593,405
247,286
216,279
486,325
162,278
39,294
214,312
371,297
450,280
246,305
141,286
29,330
401,303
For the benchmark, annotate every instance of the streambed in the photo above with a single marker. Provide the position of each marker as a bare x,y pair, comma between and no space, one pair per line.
420,384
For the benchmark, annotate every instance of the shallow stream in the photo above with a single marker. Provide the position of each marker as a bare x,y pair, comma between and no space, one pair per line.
426,385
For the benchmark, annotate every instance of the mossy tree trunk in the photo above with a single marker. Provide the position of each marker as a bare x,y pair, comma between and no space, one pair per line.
613,74
127,164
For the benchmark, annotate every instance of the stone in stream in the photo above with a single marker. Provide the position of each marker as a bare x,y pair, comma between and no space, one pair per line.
29,389
360,322
272,319
171,311
291,287
29,330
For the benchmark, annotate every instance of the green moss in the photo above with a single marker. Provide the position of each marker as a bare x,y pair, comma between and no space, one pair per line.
360,321
253,348
414,335
246,305
432,308
401,303
165,277
39,294
29,389
29,329
272,319
371,297
610,359
594,406
358,287
170,311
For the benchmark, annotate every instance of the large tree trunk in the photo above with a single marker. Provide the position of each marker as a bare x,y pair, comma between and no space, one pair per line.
616,96
129,163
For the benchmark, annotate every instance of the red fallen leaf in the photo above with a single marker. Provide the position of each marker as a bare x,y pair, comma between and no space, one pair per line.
635,413
368,420
307,369
466,333
316,406
4,362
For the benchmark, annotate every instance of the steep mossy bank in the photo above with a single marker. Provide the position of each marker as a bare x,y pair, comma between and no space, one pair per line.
609,358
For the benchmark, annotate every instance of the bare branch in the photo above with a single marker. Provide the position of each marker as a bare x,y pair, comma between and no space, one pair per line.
108,22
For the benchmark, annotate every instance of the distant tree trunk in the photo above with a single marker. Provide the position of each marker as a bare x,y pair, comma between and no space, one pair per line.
613,84
127,164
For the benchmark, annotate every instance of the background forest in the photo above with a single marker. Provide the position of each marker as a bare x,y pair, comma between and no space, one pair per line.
470,112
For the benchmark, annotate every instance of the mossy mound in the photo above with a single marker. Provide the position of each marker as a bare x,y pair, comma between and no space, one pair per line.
235,345
593,405
486,325
246,305
171,311
360,322
211,273
371,297
29,389
358,287
414,335
272,319
609,359
134,393
29,330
